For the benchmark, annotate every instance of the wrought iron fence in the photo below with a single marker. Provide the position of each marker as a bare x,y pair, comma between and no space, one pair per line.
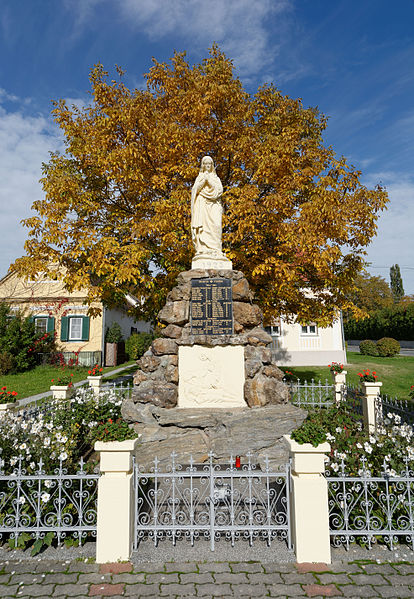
312,394
211,501
40,503
371,508
120,388
401,408
353,397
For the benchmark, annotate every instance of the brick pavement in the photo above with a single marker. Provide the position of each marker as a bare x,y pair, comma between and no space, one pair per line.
42,578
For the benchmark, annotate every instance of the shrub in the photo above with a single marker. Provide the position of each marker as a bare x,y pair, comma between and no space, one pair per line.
7,362
137,345
388,347
368,348
114,333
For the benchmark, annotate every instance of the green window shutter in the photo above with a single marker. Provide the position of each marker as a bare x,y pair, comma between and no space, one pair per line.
50,324
85,328
64,328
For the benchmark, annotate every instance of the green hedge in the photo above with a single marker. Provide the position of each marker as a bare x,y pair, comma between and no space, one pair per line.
396,322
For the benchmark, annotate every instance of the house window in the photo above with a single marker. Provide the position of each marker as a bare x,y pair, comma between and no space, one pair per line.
75,329
274,329
309,329
41,325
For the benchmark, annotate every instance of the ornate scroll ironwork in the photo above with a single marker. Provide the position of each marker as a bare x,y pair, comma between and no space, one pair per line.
373,508
312,394
211,501
40,503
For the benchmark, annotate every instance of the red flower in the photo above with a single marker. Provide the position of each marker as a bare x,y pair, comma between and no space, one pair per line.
14,393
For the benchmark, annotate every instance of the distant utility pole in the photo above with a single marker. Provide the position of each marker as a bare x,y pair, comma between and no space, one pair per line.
396,285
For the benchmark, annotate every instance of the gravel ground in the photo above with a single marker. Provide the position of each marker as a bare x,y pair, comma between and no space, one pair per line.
241,552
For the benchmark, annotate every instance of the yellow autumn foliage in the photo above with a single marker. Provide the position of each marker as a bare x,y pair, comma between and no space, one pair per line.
116,211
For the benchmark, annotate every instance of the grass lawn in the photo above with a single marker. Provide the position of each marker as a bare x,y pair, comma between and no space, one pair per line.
38,379
396,374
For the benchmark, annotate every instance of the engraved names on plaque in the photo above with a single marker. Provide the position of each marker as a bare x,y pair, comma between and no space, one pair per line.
211,307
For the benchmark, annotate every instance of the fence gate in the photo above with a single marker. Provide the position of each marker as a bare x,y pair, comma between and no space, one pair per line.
212,501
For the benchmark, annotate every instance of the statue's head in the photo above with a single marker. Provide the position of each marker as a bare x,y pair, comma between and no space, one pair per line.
207,164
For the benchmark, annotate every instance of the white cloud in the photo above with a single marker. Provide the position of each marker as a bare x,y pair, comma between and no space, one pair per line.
240,27
394,241
25,142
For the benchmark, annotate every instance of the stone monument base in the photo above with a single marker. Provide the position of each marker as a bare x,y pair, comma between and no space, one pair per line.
196,432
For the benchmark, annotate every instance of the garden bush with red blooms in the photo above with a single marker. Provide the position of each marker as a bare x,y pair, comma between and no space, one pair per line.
65,379
96,371
7,396
336,367
366,376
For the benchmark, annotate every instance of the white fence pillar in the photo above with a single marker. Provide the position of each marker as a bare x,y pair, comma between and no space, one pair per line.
371,405
339,380
115,521
95,382
309,502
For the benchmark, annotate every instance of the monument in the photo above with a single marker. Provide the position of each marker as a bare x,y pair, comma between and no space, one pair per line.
209,383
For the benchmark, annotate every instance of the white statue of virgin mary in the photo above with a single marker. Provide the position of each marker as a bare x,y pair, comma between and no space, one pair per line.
207,211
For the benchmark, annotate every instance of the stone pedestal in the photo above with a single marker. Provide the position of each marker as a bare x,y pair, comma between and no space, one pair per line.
194,393
211,263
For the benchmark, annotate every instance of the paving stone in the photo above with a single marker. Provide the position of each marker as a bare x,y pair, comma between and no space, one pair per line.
142,590
34,590
246,567
150,568
404,568
284,590
44,566
319,590
70,589
94,578
83,567
15,568
361,579
400,578
26,578
162,577
271,568
217,590
274,578
304,567
350,590
7,590
106,590
214,567
181,567
182,590
398,591
115,568
233,578
329,578
250,590
292,578
198,577
129,578
4,578
384,568
349,568
60,578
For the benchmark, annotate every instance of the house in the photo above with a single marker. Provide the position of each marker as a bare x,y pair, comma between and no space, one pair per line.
296,344
53,308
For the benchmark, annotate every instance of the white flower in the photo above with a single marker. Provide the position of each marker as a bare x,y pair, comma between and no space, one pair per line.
22,446
63,455
13,461
367,447
48,484
45,497
32,465
46,442
338,429
330,437
22,500
335,467
359,445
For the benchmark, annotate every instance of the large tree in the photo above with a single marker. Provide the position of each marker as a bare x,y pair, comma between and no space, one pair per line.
396,283
116,212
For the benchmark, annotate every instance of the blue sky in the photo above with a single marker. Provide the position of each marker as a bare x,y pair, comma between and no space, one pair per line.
354,59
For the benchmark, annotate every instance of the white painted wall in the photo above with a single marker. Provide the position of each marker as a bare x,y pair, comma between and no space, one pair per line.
125,322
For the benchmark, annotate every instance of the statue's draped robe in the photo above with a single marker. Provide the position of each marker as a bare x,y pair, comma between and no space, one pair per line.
206,213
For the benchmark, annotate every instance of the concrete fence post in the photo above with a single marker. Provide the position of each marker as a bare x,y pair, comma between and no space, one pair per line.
115,521
339,380
371,405
309,502
95,383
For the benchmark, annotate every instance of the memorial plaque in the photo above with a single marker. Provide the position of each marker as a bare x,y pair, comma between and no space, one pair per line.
211,307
